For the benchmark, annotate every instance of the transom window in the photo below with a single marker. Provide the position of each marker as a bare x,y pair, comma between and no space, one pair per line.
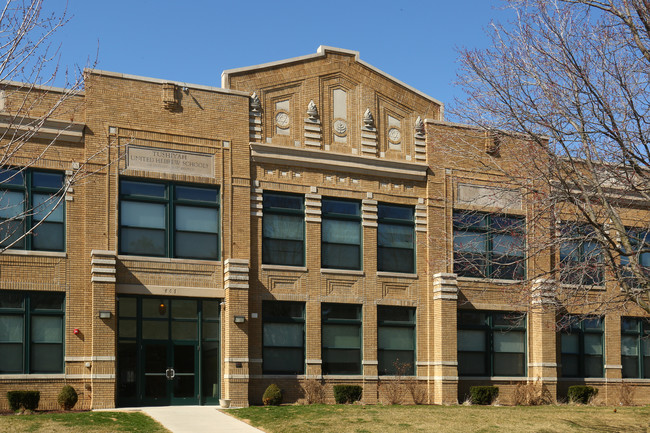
635,347
32,200
284,337
31,332
169,220
395,238
580,255
396,338
489,246
283,229
582,347
341,338
341,234
491,343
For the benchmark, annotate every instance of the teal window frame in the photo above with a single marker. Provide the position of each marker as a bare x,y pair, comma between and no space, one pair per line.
476,245
25,182
170,199
491,329
576,346
347,213
276,315
395,251
580,255
340,323
640,242
32,338
635,347
396,340
286,210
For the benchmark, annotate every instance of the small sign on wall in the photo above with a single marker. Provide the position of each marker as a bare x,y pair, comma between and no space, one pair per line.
169,161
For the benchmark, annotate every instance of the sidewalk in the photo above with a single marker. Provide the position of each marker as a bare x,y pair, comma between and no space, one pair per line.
194,419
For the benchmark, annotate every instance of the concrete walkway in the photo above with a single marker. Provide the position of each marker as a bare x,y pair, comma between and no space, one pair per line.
194,419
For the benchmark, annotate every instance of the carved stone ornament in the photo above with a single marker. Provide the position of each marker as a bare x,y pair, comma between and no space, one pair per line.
340,127
419,126
368,120
256,105
282,120
394,135
312,111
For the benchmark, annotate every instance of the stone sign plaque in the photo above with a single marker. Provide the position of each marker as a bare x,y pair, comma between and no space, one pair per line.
169,161
479,195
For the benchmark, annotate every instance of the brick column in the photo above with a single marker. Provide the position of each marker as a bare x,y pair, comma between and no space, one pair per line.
542,336
443,368
612,358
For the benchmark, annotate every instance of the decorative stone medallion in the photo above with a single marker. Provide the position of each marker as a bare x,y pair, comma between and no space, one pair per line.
282,119
394,135
340,127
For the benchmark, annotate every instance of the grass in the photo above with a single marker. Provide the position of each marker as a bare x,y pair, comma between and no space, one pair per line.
81,422
441,419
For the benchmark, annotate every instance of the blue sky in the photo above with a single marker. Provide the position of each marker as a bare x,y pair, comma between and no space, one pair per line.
194,41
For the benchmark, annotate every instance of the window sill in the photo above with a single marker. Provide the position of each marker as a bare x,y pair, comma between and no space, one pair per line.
577,286
168,260
21,376
495,378
489,280
583,379
345,376
341,271
396,275
58,254
284,268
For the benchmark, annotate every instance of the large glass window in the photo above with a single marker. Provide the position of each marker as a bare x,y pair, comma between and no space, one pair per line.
580,255
396,340
582,347
491,343
640,242
169,220
341,338
635,347
487,245
31,332
341,234
284,337
395,238
31,200
283,229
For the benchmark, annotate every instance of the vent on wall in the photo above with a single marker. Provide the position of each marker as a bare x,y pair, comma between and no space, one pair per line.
170,96
492,142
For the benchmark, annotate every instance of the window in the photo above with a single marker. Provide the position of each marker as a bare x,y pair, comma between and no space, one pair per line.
31,332
580,258
169,220
341,234
582,347
396,340
491,343
341,338
640,242
31,200
395,238
635,347
283,229
489,246
284,337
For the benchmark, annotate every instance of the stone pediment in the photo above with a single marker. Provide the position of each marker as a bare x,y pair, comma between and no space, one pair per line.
333,101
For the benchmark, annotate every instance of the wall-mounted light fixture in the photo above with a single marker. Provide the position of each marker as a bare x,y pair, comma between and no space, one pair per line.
103,314
240,319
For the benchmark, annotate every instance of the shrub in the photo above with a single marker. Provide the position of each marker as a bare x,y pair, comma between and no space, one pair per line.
581,393
67,397
418,392
272,396
314,392
532,394
483,394
626,394
28,400
347,393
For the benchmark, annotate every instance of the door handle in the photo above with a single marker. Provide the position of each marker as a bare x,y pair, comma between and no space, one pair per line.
170,373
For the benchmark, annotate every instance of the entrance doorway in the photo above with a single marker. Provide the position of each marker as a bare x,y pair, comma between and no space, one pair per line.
168,351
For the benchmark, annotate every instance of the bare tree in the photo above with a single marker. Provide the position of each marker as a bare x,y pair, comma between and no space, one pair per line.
569,80
35,119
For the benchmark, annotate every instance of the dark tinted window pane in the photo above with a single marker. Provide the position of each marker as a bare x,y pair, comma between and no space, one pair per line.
49,237
472,364
341,361
127,307
395,212
395,260
475,318
570,365
11,177
47,358
392,362
196,245
396,314
196,193
142,242
47,301
11,299
630,366
283,201
283,252
127,362
629,324
47,180
276,310
341,207
211,309
341,256
341,311
509,319
283,360
464,220
509,364
129,187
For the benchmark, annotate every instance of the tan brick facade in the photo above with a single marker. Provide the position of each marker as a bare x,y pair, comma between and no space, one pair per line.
321,126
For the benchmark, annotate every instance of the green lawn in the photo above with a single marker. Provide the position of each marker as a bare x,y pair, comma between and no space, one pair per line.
440,419
82,422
